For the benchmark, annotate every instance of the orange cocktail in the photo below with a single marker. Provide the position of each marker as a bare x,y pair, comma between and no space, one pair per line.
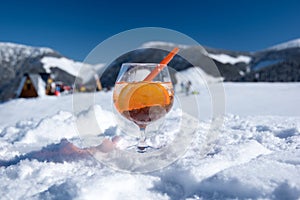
141,97
143,102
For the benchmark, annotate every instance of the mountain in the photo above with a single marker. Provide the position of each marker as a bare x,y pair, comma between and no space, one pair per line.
16,60
280,63
231,64
287,45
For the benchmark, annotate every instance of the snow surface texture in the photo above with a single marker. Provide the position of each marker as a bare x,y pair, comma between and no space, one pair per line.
256,156
253,157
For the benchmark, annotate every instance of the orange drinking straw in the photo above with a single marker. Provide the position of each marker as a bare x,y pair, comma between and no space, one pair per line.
162,64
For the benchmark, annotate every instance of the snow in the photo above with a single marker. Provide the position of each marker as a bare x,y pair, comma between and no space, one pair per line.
74,68
256,154
286,45
225,59
263,99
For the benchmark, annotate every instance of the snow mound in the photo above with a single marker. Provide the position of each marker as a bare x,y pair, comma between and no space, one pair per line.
27,136
254,157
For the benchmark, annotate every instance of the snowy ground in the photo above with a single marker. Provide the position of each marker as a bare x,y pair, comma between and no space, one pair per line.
256,156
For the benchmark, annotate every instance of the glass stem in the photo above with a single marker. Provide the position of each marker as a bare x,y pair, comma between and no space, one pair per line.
142,141
142,134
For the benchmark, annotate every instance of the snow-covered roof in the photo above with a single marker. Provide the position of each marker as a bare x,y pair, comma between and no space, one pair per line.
83,70
37,82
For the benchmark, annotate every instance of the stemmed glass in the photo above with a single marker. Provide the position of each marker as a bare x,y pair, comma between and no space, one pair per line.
140,101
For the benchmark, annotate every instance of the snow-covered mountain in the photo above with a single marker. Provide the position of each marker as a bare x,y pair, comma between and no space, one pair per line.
278,63
221,56
16,60
275,64
231,64
11,52
286,45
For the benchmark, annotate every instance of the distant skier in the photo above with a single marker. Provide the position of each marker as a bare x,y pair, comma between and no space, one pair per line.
188,87
182,86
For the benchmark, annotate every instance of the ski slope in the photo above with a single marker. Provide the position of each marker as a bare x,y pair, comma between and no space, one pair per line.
256,154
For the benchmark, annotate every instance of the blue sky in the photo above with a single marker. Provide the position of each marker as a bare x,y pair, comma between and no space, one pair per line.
74,28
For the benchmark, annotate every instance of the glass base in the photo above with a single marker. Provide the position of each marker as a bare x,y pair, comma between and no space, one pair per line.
142,148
